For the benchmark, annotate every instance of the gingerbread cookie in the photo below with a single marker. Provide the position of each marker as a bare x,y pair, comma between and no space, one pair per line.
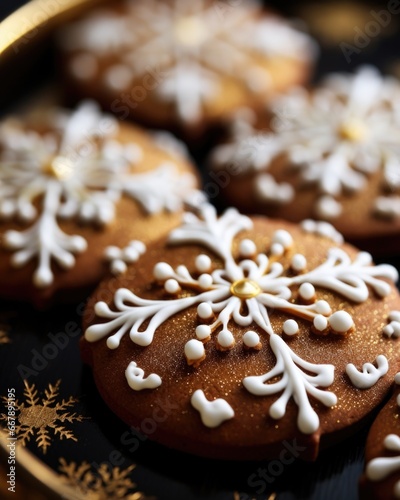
259,332
183,65
73,183
381,479
331,154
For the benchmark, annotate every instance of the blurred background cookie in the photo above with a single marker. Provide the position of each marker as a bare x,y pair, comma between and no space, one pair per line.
331,154
259,331
183,65
73,183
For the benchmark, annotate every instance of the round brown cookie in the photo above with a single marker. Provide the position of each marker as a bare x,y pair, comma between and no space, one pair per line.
330,154
234,336
183,65
73,183
381,479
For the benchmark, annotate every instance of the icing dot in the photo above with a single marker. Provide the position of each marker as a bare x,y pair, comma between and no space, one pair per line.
299,262
290,327
118,267
225,338
341,321
320,323
283,238
247,248
118,77
204,310
203,332
205,281
130,254
203,263
162,271
328,208
251,339
394,316
322,307
306,291
194,349
397,378
172,286
277,249
112,252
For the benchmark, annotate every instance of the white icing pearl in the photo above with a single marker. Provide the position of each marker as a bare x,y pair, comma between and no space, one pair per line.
320,322
112,252
299,262
204,310
118,77
277,249
203,263
322,307
394,316
247,248
118,267
194,349
203,332
130,254
283,238
172,286
306,291
290,327
341,321
225,338
328,208
251,339
205,281
162,271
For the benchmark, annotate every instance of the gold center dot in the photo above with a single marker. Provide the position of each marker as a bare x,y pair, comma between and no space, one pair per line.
189,31
353,130
59,167
245,289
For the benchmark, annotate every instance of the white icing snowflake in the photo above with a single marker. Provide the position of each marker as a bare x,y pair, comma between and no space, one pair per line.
334,138
75,170
188,45
258,282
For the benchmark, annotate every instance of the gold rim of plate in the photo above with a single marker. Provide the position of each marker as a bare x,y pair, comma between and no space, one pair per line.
34,18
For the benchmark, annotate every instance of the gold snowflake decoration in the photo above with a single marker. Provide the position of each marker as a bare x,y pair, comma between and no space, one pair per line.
100,484
39,416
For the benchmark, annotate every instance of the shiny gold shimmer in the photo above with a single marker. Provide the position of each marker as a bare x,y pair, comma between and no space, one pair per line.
38,416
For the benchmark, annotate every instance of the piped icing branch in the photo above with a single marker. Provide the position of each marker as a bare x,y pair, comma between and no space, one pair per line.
76,170
242,291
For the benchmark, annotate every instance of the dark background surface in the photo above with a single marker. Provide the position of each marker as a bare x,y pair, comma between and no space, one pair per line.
161,472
